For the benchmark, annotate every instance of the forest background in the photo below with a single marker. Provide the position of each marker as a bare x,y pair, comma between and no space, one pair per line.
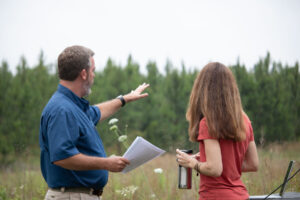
270,93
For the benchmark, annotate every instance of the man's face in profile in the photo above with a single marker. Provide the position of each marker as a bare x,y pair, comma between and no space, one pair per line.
90,79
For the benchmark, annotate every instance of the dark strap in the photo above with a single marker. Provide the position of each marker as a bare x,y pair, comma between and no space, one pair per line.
122,100
91,191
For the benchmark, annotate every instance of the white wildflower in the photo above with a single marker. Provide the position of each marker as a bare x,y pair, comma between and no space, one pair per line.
158,170
113,121
122,138
113,128
132,189
152,196
127,191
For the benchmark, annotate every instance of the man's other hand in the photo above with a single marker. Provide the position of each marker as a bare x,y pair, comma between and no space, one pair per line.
116,163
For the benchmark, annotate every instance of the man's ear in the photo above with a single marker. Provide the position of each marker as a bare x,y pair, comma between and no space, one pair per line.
83,74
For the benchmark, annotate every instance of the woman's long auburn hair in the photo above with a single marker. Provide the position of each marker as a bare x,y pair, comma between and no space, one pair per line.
216,97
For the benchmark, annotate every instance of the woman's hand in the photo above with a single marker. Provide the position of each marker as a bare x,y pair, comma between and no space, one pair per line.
196,156
186,160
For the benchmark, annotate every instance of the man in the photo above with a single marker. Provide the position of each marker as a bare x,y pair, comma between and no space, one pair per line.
73,160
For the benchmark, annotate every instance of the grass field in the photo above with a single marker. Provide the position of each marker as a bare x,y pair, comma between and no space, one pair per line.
23,180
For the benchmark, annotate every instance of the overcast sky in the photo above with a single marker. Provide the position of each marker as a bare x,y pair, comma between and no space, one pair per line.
192,32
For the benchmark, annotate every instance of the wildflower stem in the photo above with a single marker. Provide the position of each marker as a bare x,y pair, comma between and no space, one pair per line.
116,130
147,180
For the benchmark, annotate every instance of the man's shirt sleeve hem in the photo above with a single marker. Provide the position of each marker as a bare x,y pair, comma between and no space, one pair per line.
98,114
63,156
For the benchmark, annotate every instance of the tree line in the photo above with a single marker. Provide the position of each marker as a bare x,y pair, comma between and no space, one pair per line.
270,93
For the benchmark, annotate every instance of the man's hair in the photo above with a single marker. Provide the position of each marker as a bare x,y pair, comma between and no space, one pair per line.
72,61
215,96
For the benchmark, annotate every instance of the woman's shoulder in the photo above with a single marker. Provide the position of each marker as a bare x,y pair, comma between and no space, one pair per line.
203,130
203,122
246,118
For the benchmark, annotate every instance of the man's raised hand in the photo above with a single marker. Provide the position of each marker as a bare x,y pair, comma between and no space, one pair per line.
137,93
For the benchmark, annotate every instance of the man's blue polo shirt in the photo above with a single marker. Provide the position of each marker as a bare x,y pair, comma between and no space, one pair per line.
68,128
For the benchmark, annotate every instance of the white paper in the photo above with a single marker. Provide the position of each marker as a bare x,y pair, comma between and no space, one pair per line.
140,152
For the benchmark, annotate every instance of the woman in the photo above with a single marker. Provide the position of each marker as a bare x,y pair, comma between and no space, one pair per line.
224,132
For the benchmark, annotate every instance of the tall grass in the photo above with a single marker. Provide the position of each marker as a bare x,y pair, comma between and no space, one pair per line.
23,180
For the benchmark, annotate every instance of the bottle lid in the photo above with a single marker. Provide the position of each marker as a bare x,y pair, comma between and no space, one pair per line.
189,151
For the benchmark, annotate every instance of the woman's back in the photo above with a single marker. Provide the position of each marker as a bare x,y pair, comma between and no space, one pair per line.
229,184
217,121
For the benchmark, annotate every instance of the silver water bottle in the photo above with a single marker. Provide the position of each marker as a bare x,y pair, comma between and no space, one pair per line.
185,174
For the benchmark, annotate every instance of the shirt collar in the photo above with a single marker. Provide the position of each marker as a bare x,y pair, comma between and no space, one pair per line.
80,102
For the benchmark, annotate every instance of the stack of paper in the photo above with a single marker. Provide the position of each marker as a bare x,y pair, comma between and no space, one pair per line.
140,152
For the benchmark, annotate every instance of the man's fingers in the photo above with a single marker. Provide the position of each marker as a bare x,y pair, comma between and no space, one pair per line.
142,87
145,85
143,95
125,161
140,96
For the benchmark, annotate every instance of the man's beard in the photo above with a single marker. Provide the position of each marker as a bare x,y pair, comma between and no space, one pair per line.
87,88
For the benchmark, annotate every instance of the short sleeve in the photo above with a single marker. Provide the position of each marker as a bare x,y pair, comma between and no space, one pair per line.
63,133
95,114
251,132
249,129
203,131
